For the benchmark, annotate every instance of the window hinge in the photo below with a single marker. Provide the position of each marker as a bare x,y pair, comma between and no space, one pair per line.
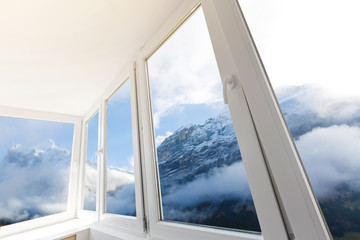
145,225
134,65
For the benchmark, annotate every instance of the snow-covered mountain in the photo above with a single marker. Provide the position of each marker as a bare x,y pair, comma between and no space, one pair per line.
33,182
202,176
195,150
200,165
201,171
46,152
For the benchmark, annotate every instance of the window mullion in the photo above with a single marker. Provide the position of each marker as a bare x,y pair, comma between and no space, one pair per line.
101,159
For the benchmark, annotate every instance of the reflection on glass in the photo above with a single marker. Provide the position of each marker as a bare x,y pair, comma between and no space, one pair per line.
120,198
35,161
315,76
91,164
202,176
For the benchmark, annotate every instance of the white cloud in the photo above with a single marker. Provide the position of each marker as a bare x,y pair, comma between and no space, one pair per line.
331,156
122,201
183,70
117,177
316,99
159,139
34,183
303,43
229,181
131,162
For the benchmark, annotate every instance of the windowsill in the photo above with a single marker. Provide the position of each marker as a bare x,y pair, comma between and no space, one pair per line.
114,231
54,231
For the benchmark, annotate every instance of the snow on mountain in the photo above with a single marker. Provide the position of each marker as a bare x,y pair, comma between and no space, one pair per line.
200,166
308,107
195,150
197,162
202,176
33,182
42,153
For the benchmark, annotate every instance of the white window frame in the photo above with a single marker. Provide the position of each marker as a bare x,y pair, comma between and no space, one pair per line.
298,203
70,213
81,212
264,197
134,225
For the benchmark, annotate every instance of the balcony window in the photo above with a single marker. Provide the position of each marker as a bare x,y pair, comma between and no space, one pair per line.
91,168
311,58
35,159
201,172
120,185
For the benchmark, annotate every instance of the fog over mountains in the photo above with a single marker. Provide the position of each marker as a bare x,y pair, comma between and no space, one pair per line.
201,170
203,180
33,182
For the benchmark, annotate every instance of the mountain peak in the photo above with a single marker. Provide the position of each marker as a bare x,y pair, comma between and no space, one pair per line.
41,153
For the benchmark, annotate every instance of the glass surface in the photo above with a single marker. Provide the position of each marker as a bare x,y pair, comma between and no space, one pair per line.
35,161
120,197
202,176
311,51
91,163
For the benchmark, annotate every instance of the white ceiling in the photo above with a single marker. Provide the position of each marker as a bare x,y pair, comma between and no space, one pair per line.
61,55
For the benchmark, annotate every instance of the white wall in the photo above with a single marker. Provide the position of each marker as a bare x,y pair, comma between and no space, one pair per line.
98,235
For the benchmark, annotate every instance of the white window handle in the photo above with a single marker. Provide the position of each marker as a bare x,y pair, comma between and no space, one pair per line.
228,83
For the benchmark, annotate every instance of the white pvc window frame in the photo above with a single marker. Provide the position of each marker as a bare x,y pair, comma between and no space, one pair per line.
264,197
300,210
131,224
70,213
87,214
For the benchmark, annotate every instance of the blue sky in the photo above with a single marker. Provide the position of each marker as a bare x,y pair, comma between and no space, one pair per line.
30,133
92,138
177,101
119,129
184,79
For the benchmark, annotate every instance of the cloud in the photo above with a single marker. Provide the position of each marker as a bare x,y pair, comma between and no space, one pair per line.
120,183
117,177
27,132
34,182
311,98
331,156
159,139
222,183
183,70
297,50
122,200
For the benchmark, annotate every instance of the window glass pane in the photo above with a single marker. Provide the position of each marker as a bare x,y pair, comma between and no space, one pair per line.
35,161
202,176
311,52
91,164
120,159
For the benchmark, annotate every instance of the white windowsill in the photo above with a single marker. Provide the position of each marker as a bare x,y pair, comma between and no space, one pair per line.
55,231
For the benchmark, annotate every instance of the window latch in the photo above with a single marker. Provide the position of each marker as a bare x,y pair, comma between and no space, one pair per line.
228,83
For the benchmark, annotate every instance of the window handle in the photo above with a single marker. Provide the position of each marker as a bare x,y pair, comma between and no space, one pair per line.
228,83
99,152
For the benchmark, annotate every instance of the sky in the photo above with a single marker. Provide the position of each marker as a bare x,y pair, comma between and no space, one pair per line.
119,129
315,44
92,138
35,161
30,133
308,42
184,79
91,163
